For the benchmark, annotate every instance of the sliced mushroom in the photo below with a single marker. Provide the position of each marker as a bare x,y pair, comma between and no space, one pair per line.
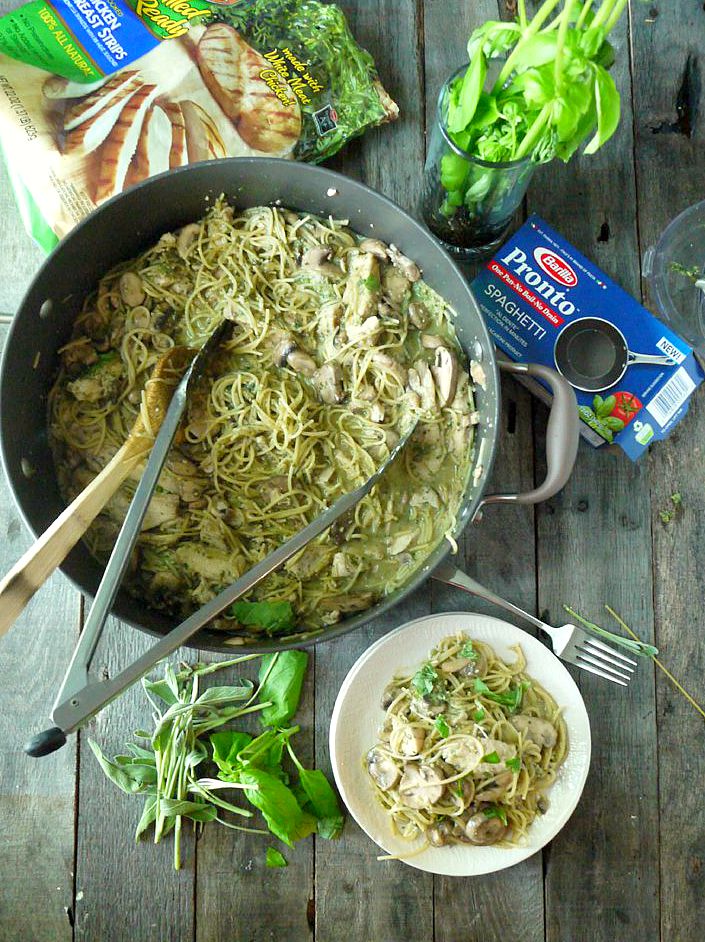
131,289
431,341
301,362
374,247
498,788
389,695
420,786
463,752
411,741
395,286
483,830
284,344
540,731
476,668
391,366
186,238
418,314
445,373
453,664
382,769
410,270
318,259
440,834
328,379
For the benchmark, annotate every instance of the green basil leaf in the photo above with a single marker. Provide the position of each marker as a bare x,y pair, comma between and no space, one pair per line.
461,113
275,858
281,677
227,745
195,810
372,283
442,726
607,406
323,801
478,715
278,804
514,764
496,811
271,616
607,103
491,757
161,689
613,423
597,404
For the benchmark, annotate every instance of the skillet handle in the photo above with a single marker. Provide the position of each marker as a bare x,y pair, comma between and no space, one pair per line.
562,435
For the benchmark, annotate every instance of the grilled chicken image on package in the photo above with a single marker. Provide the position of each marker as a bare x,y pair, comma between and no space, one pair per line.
204,95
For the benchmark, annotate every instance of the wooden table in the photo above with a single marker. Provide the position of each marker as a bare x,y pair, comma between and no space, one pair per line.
630,865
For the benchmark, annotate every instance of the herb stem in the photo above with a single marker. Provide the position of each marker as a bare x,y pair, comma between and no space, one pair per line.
681,689
534,132
615,15
558,74
583,14
522,14
533,27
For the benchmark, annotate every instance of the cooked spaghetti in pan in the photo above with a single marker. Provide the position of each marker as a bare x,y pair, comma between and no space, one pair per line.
336,344
468,749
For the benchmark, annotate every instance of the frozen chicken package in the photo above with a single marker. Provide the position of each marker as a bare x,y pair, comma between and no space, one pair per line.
97,95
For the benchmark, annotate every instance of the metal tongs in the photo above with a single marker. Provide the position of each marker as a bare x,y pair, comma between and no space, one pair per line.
78,699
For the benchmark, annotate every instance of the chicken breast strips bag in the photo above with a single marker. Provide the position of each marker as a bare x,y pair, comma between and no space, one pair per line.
97,95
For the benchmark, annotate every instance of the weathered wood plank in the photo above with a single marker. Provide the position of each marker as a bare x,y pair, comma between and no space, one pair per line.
498,551
237,896
36,795
594,546
118,882
357,896
667,46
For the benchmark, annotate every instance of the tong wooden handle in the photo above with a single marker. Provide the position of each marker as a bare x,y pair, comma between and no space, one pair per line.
53,546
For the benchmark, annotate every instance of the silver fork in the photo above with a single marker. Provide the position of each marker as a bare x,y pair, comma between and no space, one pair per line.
570,643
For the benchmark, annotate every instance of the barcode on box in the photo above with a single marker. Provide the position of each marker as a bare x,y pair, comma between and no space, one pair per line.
671,397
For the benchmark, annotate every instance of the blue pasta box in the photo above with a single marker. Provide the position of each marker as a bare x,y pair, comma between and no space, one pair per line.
544,302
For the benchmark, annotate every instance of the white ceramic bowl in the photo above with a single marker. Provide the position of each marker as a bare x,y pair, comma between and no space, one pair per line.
357,715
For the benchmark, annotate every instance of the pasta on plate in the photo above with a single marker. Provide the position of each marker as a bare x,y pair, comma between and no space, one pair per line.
469,747
336,345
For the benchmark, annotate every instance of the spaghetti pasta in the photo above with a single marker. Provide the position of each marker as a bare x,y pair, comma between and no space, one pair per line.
468,748
336,343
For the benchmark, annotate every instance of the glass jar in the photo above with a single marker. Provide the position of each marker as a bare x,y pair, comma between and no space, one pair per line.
466,202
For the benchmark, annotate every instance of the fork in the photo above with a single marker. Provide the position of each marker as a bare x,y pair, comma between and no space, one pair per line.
570,643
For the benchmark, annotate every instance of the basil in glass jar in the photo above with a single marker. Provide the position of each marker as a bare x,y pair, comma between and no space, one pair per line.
466,202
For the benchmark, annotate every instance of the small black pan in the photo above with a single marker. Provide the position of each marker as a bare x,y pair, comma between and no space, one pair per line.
593,354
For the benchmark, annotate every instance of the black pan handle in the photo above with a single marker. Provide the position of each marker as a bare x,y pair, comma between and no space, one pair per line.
49,740
561,435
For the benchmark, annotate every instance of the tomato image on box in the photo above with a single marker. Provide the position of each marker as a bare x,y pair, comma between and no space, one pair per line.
546,303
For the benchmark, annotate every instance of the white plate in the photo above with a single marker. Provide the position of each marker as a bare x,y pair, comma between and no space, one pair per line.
357,715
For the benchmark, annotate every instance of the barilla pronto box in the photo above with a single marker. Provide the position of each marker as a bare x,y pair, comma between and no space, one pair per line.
544,302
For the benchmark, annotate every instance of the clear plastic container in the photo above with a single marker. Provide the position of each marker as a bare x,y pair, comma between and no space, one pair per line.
675,269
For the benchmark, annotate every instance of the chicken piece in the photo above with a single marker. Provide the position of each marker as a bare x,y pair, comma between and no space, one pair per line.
162,507
445,374
420,786
425,497
389,365
100,382
204,561
463,752
78,354
310,561
328,379
503,749
421,382
400,541
361,289
498,789
342,566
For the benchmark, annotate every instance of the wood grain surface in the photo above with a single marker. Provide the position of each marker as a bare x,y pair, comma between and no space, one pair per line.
630,865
